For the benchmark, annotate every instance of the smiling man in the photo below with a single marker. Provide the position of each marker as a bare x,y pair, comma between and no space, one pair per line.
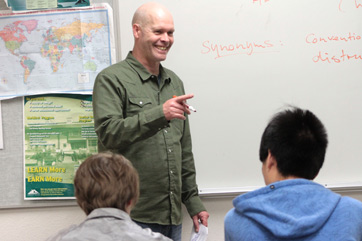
136,115
153,33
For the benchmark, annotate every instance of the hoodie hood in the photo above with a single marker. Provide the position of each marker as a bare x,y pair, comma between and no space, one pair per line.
290,208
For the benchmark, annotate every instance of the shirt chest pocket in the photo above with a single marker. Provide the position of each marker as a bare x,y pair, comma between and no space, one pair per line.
138,104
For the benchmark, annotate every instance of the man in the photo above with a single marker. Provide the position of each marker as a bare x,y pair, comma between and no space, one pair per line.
135,114
292,206
106,188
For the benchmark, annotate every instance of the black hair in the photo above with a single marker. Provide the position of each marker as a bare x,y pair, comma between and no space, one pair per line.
298,141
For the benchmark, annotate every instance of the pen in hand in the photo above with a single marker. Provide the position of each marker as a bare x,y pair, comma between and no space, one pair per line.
187,105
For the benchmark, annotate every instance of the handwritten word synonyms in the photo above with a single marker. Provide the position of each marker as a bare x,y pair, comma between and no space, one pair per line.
314,39
337,58
224,50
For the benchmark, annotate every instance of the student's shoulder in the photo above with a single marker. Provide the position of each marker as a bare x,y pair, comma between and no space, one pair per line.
351,203
230,213
233,218
349,209
144,234
62,233
152,236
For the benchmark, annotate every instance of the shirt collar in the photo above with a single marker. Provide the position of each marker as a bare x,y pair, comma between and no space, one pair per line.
108,212
143,72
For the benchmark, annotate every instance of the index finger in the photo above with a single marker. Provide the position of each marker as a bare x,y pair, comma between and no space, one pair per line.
204,221
183,98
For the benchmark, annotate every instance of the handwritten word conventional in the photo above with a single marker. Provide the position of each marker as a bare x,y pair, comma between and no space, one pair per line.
224,50
327,57
314,39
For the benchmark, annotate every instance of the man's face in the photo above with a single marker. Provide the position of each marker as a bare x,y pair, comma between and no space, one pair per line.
156,38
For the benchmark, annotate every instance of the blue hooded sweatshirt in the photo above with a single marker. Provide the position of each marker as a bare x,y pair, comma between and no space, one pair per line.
295,209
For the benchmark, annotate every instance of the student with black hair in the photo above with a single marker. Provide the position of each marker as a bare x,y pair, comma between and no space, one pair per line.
292,206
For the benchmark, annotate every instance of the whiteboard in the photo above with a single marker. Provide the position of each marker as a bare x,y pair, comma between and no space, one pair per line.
246,59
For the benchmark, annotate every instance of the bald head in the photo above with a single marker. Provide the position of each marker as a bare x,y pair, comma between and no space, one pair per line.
148,11
153,30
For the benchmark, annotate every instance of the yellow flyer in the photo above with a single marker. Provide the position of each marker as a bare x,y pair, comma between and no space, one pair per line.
59,135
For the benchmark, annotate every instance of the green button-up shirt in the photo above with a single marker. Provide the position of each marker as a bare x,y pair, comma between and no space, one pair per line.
129,119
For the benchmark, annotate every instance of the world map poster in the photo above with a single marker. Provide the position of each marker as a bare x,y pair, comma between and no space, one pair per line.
54,52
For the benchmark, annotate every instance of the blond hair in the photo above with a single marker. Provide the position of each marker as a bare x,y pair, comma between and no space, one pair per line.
106,180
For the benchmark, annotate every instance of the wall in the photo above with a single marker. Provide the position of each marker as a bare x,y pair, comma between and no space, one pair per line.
35,224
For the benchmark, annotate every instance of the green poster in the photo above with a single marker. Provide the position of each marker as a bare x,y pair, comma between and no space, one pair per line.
59,135
24,5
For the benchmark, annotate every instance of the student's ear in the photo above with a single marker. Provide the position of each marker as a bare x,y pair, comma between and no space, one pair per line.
130,205
270,161
269,169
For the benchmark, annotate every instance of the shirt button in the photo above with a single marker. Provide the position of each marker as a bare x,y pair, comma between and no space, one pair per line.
272,187
171,193
141,102
169,150
165,131
171,172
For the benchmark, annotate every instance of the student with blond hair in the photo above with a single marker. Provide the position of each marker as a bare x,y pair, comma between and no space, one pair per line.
106,188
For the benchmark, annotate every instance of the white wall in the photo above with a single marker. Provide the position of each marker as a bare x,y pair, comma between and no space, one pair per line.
39,223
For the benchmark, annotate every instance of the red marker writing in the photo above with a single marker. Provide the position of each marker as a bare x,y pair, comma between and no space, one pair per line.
188,106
